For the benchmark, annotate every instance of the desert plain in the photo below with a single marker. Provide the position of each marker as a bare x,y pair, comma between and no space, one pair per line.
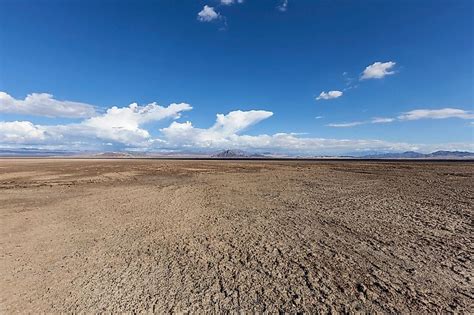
125,235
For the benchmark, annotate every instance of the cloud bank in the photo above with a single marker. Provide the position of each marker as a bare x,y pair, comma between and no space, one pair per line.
123,125
131,128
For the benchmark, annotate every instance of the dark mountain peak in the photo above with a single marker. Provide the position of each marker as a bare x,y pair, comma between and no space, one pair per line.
236,154
231,154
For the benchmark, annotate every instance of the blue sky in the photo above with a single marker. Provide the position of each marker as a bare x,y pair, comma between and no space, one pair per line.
401,73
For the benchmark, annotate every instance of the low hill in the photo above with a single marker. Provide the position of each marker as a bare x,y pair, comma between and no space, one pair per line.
417,155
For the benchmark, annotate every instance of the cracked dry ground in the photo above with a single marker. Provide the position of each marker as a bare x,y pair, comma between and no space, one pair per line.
217,236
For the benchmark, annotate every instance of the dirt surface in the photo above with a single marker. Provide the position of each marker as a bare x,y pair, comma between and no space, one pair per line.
187,236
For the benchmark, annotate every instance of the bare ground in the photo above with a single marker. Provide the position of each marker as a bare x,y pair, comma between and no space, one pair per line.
214,236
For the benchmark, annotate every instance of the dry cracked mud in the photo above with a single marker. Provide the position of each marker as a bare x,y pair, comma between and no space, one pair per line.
235,236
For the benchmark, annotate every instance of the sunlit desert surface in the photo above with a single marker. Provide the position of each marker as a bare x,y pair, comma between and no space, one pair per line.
214,236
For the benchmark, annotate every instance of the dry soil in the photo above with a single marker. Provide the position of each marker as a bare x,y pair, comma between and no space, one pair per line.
250,236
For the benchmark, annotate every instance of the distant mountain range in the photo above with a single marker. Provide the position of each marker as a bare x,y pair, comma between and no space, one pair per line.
449,155
233,154
33,152
417,155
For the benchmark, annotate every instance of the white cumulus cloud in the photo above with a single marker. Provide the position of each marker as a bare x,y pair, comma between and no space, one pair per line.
207,14
222,133
436,114
329,95
43,104
124,124
378,70
21,132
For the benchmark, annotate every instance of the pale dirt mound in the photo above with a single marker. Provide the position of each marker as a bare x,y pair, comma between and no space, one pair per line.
190,236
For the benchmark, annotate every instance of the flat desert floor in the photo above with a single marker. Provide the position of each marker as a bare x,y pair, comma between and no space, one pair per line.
216,236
